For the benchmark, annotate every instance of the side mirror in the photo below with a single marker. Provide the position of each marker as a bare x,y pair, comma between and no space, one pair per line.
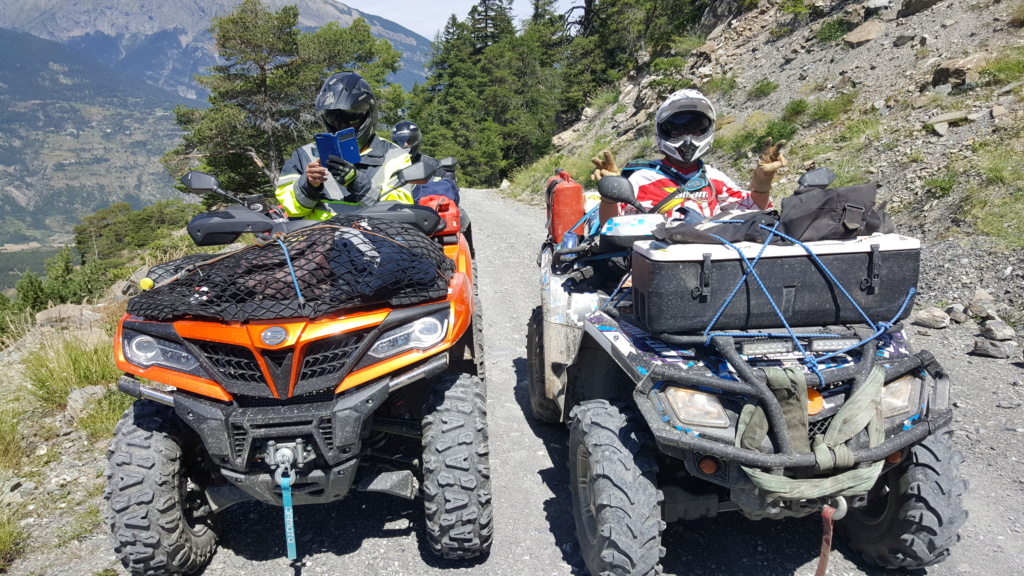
619,189
449,163
418,173
200,182
224,227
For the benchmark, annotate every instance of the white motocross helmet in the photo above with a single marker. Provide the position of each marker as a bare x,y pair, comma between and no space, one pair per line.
685,125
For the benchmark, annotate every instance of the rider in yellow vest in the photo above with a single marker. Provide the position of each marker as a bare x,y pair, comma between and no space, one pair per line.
317,188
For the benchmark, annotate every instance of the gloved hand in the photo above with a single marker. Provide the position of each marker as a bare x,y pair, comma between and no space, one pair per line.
604,166
342,170
767,165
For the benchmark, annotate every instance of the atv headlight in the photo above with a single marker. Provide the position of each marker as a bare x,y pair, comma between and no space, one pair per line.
145,351
899,396
420,334
696,408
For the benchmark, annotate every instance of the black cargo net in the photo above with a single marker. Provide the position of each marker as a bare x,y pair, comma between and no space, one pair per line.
346,262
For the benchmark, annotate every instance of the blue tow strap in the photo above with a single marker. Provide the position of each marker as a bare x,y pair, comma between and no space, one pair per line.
289,515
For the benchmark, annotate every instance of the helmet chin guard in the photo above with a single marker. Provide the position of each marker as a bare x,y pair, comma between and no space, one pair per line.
685,126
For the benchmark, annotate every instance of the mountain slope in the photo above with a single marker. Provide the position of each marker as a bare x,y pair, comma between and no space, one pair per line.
75,136
167,42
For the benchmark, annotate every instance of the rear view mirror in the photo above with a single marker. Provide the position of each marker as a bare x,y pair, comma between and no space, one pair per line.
449,162
817,178
201,182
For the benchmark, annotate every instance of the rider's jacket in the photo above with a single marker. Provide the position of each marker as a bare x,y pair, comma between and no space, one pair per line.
375,181
721,193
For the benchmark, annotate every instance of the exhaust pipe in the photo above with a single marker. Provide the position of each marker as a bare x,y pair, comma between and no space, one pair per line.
134,388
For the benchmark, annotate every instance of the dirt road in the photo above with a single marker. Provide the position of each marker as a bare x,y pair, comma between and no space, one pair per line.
372,534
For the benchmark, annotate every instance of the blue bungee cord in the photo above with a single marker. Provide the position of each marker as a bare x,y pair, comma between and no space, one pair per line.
291,270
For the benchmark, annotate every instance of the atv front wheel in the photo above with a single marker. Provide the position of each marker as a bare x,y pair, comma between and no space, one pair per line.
456,468
156,512
544,409
615,501
914,511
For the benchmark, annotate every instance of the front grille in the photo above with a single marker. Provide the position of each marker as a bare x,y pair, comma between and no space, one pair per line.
327,361
311,398
236,368
326,427
238,438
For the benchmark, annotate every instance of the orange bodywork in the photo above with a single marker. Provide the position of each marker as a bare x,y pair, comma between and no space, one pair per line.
303,332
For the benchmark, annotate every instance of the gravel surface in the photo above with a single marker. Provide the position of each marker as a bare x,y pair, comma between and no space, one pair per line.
370,534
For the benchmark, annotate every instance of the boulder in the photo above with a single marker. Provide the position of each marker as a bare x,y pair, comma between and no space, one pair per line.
863,34
994,349
997,330
959,71
80,398
931,318
911,7
984,305
956,313
69,315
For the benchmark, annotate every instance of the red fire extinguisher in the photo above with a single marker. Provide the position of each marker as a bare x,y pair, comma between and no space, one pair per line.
565,205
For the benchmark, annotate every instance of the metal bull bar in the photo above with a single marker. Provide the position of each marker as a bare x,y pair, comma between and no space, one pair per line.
752,383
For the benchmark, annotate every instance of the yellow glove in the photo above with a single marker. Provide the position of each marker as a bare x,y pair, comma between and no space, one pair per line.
767,165
604,166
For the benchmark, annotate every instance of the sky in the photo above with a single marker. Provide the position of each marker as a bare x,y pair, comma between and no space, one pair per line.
426,17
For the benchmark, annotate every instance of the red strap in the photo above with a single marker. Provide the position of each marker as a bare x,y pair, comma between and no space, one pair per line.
826,539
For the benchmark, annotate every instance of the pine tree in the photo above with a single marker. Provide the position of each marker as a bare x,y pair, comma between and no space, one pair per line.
262,96
31,292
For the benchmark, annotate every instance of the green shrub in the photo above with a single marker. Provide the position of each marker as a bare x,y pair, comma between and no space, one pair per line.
12,539
828,110
604,99
752,138
668,84
12,450
1007,67
762,88
719,85
668,65
780,31
66,363
687,43
941,185
101,417
794,7
795,109
832,30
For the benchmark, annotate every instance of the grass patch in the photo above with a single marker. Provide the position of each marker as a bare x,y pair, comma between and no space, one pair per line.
862,127
832,30
668,84
12,539
941,185
65,363
528,182
762,88
794,7
12,450
1017,16
619,109
829,110
752,135
604,99
1007,67
795,109
1002,170
98,423
81,526
719,85
13,325
687,43
916,156
780,31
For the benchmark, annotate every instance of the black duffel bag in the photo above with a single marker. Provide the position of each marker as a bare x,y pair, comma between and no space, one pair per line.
814,213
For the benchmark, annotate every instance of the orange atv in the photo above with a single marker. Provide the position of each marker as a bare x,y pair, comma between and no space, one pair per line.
329,356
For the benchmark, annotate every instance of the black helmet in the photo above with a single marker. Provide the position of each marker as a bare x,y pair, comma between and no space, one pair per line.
347,101
407,135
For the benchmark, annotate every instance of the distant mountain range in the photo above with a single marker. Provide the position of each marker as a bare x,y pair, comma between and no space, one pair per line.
165,42
87,90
